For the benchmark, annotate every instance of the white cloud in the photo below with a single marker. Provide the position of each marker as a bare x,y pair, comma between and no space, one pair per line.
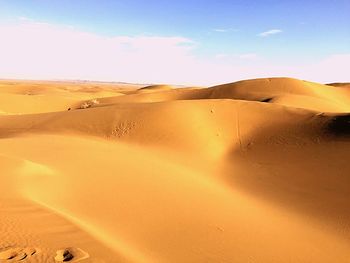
224,30
42,51
221,30
37,50
270,32
24,18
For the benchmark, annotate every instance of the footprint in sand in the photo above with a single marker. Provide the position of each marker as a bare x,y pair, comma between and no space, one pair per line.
70,254
17,253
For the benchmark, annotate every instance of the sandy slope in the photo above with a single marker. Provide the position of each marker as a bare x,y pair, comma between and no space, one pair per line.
253,171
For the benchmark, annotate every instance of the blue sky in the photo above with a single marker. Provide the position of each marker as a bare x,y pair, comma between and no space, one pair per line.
301,32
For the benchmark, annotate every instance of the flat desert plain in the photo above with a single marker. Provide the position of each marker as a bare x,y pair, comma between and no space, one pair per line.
251,171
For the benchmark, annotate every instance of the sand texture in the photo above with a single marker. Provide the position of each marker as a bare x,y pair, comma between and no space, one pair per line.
250,171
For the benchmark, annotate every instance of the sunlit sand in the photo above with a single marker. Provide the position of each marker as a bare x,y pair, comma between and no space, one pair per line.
251,171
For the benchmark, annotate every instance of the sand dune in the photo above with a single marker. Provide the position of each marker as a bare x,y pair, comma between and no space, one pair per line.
36,97
284,91
340,84
153,88
251,171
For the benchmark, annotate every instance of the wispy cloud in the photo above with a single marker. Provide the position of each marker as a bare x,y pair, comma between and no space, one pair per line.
224,30
24,18
270,32
38,50
221,30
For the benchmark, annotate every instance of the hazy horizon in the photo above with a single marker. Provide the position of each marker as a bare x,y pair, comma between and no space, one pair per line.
187,42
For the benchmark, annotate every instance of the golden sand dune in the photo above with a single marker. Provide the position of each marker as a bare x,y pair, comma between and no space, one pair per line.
22,97
153,88
284,91
340,84
253,171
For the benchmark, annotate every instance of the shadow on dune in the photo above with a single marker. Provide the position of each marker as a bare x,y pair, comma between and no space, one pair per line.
339,125
266,100
304,169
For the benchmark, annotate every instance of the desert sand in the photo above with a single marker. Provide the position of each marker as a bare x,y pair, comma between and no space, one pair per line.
251,171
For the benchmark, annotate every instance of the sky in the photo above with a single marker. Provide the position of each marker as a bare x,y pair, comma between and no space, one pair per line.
181,42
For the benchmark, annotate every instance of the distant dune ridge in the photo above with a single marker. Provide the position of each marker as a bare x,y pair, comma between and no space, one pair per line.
251,171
